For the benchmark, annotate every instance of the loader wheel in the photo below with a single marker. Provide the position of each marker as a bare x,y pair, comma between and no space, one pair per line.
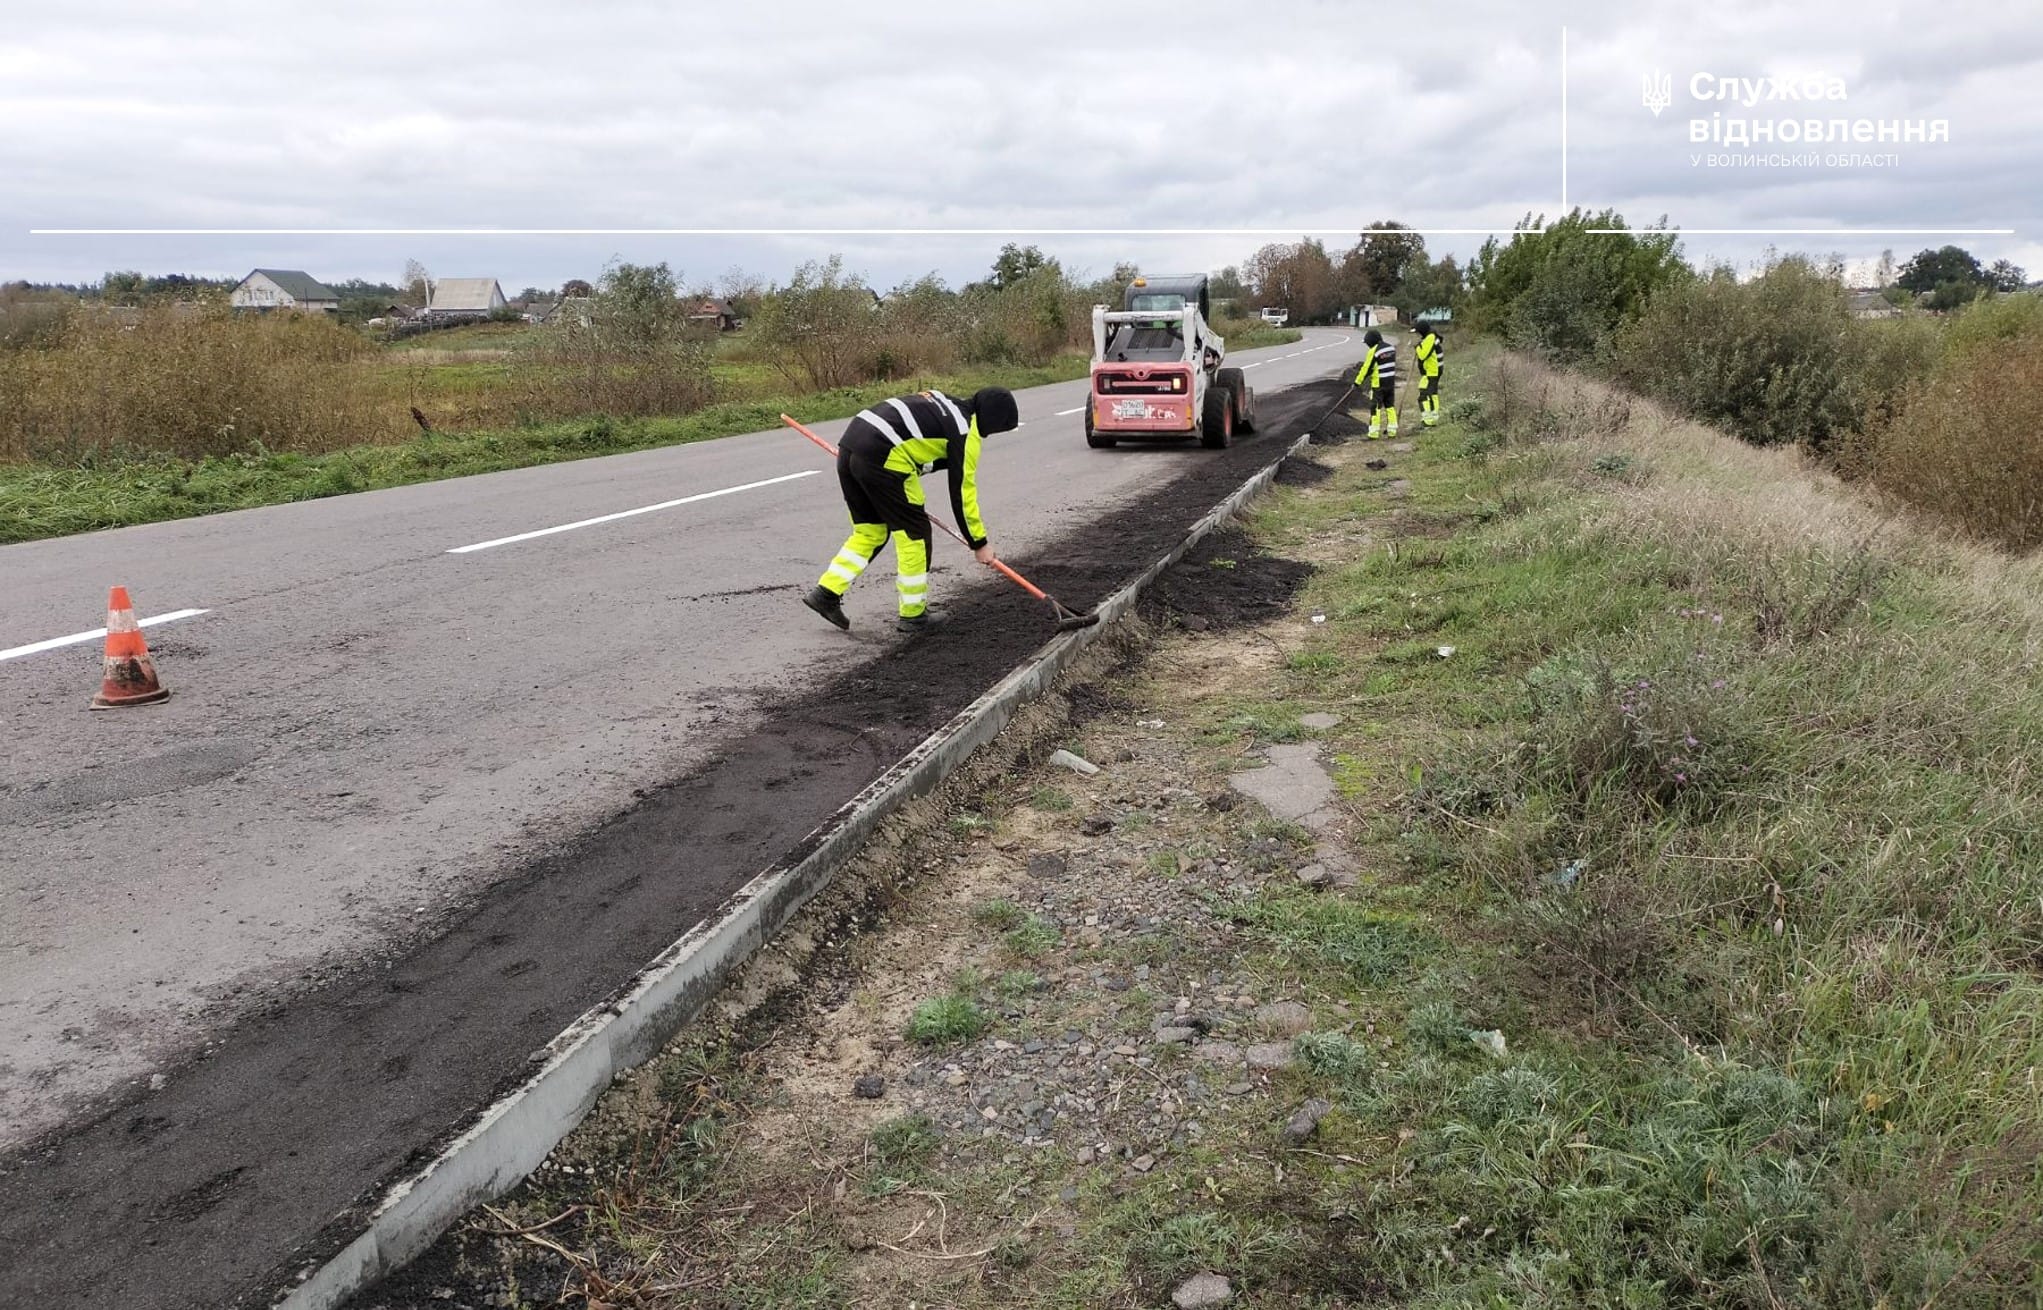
1244,399
1217,426
1096,439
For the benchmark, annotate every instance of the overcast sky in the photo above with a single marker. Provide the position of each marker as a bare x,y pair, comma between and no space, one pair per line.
1290,115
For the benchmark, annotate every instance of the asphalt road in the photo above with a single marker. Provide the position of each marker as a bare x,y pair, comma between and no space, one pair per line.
371,724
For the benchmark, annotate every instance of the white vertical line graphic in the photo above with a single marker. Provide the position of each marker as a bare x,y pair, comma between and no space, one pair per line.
1564,121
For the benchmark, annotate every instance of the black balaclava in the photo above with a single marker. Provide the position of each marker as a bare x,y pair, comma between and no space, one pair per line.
996,411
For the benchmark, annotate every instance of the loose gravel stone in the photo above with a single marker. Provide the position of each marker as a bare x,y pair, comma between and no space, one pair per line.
870,1088
1305,1121
1287,1018
1046,866
1270,1055
1202,1292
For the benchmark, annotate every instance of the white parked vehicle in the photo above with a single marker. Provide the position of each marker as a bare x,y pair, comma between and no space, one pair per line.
1276,317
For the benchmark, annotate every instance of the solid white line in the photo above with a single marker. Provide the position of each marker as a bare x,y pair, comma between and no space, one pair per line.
1063,412
77,638
751,231
630,513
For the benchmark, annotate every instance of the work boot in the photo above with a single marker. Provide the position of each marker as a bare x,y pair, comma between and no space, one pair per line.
828,604
922,622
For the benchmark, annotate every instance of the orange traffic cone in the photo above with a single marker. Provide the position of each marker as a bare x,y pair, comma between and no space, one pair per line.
130,677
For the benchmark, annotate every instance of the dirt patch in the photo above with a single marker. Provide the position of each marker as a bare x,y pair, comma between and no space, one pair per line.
1224,583
1303,472
1338,428
309,1112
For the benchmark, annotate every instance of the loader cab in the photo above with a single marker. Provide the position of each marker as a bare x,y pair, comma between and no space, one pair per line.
1169,294
1162,338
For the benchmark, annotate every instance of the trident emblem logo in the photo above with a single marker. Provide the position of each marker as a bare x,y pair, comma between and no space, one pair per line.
1659,91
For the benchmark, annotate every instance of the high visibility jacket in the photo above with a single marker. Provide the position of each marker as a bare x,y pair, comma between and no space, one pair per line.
1430,356
1379,367
921,434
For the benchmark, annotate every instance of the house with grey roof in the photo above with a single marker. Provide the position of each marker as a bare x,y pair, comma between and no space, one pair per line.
284,288
464,297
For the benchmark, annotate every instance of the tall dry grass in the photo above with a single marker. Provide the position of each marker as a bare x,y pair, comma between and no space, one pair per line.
1967,443
1724,496
226,384
209,385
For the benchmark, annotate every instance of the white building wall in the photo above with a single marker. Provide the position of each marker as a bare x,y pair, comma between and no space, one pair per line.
259,292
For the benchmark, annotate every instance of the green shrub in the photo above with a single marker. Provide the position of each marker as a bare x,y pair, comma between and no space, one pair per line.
1563,290
1773,360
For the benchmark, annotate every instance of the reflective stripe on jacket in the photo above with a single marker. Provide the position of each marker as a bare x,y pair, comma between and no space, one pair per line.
928,431
1379,367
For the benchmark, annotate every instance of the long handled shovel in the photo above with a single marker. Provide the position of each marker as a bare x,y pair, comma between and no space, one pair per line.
1067,619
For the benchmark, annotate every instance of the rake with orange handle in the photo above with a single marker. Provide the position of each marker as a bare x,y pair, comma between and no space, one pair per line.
1067,619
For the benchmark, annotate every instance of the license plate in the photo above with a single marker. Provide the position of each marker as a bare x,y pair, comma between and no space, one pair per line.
1127,410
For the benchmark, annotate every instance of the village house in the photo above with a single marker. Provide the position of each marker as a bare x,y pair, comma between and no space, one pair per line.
573,311
710,311
284,288
456,298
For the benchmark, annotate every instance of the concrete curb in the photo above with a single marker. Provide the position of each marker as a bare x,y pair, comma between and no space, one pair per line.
520,1128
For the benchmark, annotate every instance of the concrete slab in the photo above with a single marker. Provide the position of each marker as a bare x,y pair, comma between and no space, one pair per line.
1293,786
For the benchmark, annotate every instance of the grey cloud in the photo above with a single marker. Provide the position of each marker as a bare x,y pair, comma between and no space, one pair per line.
1295,115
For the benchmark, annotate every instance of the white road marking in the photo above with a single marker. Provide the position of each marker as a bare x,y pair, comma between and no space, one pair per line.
78,638
1064,412
1258,364
630,513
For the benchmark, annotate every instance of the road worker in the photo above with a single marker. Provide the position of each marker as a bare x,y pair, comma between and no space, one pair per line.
1431,361
879,466
1378,377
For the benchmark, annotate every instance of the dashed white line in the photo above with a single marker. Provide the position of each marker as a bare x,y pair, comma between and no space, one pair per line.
78,638
1063,412
630,513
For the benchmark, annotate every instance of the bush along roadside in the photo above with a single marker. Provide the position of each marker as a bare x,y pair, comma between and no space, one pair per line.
1572,859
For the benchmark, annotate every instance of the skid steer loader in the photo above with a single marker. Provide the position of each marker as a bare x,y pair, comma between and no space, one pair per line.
1156,370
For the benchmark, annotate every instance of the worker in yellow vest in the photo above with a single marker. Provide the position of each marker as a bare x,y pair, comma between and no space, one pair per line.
1378,377
879,466
1431,362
